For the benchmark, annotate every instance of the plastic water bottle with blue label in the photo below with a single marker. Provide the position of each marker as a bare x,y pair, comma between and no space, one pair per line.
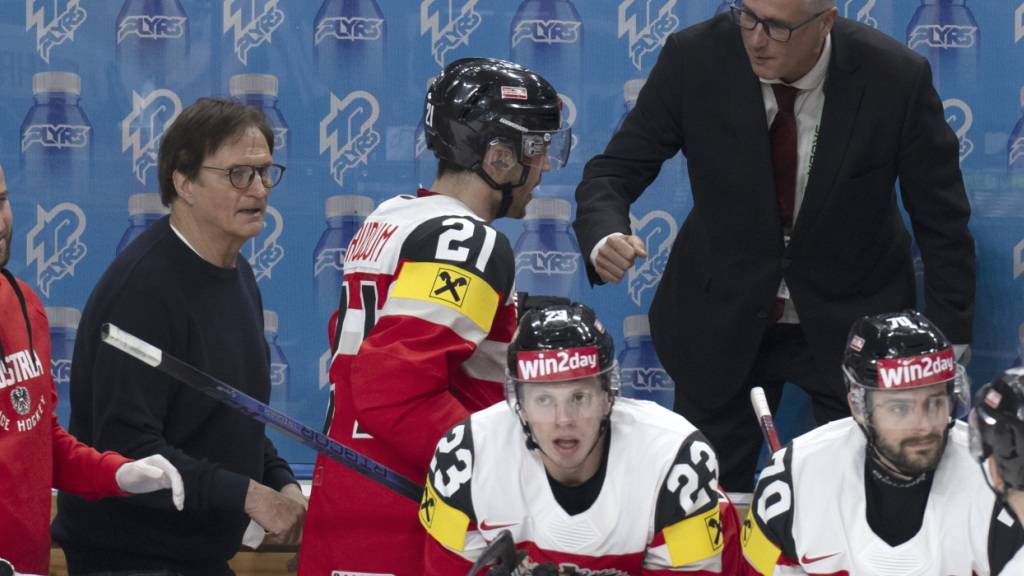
946,33
643,377
260,91
345,214
152,45
279,375
56,139
349,38
1015,146
143,210
546,36
63,329
548,261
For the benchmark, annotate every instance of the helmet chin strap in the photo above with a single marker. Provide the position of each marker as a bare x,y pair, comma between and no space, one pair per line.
505,189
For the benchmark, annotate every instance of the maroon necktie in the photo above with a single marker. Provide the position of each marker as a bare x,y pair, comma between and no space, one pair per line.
783,138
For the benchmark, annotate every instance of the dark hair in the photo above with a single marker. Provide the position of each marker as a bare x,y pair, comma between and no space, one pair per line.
446,167
198,132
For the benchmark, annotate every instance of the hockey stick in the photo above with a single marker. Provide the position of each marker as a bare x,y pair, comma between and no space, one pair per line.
257,410
764,417
502,549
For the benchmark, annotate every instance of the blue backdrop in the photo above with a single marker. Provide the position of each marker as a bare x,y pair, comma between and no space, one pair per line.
89,86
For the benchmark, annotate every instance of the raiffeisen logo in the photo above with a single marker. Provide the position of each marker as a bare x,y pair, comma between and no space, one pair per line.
943,36
54,244
156,27
251,26
353,119
556,365
55,23
657,24
349,28
547,32
55,136
457,26
916,371
145,125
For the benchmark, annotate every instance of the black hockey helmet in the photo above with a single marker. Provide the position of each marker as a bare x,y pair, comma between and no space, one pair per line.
997,426
557,344
477,102
900,351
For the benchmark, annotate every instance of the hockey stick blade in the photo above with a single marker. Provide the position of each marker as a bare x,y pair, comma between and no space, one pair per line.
501,550
764,417
238,400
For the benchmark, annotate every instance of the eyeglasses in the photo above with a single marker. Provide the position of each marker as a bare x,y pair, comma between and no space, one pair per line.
777,31
242,176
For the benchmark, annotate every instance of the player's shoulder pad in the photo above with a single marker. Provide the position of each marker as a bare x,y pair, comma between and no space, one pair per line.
446,509
687,511
467,243
768,527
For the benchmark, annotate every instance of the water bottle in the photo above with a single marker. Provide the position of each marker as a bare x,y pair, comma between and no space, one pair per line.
345,214
643,377
546,36
548,261
143,209
1015,146
252,35
260,91
349,38
279,377
946,33
63,328
152,45
56,139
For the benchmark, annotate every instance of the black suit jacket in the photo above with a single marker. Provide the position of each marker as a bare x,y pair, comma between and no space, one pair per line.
850,252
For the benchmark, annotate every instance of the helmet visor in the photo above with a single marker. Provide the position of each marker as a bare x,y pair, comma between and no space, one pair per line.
565,401
976,442
920,408
548,150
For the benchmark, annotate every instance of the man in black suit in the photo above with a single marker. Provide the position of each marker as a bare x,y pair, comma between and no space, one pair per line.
796,125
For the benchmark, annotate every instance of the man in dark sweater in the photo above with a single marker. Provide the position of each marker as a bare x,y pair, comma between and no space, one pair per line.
183,286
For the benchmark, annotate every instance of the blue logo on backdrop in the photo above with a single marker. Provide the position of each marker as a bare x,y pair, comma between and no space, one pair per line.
1018,260
658,230
53,28
356,116
142,129
547,262
860,10
943,36
157,27
55,136
547,32
270,251
349,28
1018,19
960,118
330,258
656,27
455,32
252,29
54,244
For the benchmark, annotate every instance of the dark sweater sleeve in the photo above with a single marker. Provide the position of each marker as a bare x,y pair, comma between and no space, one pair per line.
276,472
130,404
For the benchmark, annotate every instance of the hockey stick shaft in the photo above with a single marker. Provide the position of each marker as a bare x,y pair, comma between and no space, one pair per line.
234,398
764,417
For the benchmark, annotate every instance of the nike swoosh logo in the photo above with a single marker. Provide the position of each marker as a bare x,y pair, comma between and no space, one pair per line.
485,526
809,560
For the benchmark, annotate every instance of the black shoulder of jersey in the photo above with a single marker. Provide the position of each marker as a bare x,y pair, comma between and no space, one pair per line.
772,504
451,468
690,486
1003,540
466,242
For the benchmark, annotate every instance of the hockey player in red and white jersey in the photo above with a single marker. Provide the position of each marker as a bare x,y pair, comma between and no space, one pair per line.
586,483
997,442
891,490
427,310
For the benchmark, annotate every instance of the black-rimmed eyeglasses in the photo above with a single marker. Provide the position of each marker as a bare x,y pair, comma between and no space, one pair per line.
775,30
241,176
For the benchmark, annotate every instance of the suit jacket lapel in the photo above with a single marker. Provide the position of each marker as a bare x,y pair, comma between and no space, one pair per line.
844,87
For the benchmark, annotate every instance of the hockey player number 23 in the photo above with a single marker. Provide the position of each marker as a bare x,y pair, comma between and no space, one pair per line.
693,494
457,475
450,244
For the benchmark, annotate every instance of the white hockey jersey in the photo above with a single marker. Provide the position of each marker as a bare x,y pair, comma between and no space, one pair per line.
658,510
809,513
